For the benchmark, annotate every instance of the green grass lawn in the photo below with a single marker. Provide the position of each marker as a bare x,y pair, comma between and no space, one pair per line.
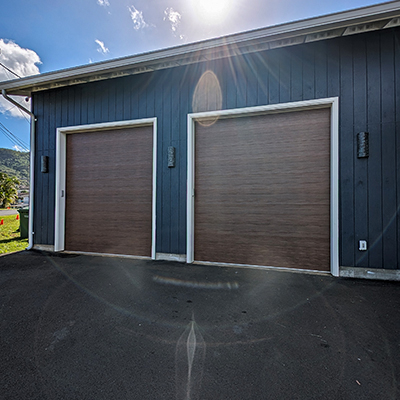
9,235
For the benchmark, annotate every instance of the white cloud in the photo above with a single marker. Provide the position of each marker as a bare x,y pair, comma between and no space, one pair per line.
173,17
102,48
18,148
137,18
104,3
23,62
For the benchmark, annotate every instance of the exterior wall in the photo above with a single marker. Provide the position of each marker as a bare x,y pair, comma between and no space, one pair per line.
362,70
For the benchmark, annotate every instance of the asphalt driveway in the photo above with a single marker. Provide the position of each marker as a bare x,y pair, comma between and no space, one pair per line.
82,327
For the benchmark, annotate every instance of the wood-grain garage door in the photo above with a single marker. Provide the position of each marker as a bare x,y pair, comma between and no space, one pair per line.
109,191
262,190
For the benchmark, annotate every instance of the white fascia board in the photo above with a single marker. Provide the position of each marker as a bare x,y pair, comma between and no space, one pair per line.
292,29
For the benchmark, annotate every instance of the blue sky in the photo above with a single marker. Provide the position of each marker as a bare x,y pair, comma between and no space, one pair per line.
38,36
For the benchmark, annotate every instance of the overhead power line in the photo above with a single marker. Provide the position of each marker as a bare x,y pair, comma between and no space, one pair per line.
15,142
10,70
23,115
14,139
20,141
14,73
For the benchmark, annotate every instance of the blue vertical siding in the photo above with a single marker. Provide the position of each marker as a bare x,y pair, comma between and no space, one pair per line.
346,151
284,76
389,192
360,180
272,64
362,70
397,129
374,164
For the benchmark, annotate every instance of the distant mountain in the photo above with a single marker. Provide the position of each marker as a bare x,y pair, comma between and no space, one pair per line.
15,163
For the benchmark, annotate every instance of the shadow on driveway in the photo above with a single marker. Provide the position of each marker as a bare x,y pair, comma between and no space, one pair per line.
83,327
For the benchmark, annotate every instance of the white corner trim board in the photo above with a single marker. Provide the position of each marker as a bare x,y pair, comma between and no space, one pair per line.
332,103
61,135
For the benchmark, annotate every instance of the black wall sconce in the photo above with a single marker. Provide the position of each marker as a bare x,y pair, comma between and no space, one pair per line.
171,157
362,145
44,164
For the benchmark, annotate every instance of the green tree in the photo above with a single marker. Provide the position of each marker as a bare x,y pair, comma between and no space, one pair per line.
8,189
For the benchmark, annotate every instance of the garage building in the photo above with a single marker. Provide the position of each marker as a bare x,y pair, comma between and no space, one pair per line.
277,147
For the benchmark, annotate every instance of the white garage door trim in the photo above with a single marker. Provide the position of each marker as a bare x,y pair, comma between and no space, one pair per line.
61,140
333,103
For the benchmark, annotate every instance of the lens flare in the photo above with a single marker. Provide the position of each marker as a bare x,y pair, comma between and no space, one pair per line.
212,10
207,96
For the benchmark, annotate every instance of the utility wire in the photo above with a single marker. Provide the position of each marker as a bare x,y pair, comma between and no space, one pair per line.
16,143
10,70
14,136
13,106
23,115
6,131
14,73
14,139
9,137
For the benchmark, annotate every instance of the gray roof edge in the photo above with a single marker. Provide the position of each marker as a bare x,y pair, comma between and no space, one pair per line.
341,19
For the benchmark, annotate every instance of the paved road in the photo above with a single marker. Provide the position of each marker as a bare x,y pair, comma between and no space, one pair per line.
8,212
80,327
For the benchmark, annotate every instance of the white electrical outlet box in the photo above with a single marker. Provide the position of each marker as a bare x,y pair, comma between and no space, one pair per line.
362,245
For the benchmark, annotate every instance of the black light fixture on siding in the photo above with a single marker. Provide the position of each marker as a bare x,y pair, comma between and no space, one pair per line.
44,164
362,144
171,157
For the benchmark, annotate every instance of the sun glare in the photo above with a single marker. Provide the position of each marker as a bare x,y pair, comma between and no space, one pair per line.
212,10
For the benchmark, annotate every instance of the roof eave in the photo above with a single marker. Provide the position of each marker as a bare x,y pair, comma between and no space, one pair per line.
318,28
